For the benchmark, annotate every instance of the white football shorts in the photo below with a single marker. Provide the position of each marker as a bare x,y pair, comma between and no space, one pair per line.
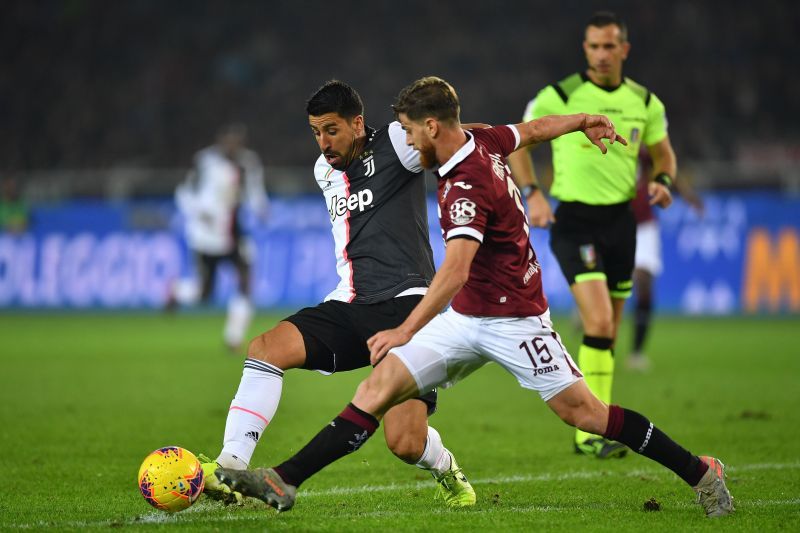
452,346
648,247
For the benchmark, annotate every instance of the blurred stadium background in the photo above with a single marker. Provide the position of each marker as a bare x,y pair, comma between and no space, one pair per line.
104,103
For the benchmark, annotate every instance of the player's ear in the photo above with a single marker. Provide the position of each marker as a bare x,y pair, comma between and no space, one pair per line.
358,124
432,127
626,49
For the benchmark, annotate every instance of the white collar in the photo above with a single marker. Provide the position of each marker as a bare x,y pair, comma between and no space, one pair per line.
459,156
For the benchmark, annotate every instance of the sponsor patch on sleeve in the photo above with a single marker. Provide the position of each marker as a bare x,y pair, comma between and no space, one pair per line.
462,211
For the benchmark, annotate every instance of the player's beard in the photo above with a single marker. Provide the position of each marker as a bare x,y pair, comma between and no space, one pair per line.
427,156
346,158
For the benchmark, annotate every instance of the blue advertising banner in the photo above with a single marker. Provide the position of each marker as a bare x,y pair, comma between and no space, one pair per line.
742,256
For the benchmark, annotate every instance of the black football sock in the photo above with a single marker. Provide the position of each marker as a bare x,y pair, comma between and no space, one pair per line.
640,435
345,434
644,310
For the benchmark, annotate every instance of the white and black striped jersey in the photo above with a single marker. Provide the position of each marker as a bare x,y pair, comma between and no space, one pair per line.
213,192
378,212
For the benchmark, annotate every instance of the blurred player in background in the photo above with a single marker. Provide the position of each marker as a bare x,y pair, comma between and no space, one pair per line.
226,176
593,235
499,311
14,211
648,262
374,186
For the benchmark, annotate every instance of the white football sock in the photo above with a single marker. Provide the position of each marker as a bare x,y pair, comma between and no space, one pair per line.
186,291
240,313
227,460
435,458
251,410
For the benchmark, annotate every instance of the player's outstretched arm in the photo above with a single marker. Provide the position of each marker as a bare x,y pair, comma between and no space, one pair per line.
595,127
447,281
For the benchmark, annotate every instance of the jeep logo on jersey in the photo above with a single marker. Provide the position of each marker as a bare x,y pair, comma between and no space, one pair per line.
462,211
369,166
341,204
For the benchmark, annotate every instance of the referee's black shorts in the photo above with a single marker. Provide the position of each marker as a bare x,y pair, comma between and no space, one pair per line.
596,242
335,333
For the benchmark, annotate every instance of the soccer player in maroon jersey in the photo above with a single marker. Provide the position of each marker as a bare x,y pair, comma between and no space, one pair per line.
499,312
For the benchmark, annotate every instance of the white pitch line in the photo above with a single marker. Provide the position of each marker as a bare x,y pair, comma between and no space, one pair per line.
528,478
199,510
198,516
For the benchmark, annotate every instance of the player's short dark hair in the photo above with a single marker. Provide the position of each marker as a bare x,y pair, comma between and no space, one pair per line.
601,19
428,97
335,97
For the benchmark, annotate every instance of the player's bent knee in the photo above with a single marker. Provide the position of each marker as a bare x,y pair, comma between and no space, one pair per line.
389,384
375,395
371,390
274,348
256,349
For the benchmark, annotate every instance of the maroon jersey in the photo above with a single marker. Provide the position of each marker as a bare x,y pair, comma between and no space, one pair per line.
642,210
479,200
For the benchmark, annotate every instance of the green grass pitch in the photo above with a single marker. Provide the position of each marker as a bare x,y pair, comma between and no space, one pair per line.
83,399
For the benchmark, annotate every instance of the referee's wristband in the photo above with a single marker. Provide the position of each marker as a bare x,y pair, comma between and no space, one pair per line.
664,179
528,190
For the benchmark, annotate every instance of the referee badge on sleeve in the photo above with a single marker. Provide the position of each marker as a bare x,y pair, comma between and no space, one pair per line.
588,255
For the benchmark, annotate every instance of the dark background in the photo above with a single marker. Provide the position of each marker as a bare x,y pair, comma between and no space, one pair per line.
91,84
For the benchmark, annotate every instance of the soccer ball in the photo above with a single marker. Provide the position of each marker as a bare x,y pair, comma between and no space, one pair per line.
171,479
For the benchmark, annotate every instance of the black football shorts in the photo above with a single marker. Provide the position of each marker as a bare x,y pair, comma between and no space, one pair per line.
335,333
596,242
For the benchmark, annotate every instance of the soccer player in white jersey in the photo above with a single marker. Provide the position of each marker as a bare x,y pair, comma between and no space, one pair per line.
499,312
225,176
373,184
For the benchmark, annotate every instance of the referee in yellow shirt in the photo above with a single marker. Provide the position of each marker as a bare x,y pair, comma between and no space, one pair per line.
593,233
